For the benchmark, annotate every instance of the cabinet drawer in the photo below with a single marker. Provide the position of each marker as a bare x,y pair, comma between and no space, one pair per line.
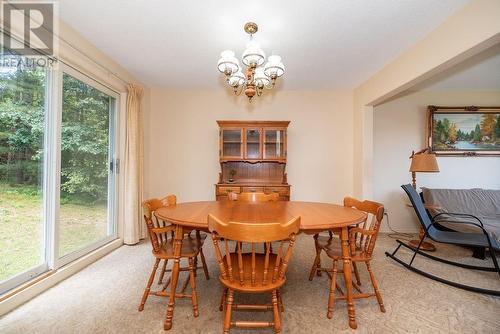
283,191
226,190
252,189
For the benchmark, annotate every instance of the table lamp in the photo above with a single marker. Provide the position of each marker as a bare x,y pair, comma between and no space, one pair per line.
422,162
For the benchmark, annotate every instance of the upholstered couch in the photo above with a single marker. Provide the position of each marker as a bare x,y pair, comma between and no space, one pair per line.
482,203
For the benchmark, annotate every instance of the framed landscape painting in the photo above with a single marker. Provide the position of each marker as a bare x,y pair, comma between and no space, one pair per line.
464,131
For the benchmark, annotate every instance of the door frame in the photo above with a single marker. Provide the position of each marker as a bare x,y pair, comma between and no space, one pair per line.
114,133
25,276
51,168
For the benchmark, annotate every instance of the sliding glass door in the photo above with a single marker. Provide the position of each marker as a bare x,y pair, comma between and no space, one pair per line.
58,138
22,141
87,176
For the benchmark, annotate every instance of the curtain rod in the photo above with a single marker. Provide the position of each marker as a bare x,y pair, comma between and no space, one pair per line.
57,59
91,59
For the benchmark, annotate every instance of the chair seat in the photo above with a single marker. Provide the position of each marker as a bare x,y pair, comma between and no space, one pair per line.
324,241
247,286
190,247
334,251
464,239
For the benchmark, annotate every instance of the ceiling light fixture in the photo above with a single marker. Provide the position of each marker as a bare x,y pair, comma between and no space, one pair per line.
258,76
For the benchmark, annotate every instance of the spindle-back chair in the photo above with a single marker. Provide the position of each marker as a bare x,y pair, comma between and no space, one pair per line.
249,271
161,235
255,197
361,243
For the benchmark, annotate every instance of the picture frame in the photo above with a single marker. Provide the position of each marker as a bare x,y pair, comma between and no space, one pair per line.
464,131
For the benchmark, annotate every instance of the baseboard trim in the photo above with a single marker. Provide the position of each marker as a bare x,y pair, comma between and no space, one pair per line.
47,280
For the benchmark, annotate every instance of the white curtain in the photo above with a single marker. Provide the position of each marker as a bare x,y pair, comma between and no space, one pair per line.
133,225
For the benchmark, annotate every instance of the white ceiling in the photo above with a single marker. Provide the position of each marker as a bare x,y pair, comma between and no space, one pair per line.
324,43
481,72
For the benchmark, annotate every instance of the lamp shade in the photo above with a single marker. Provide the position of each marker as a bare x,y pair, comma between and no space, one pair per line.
227,64
253,55
274,67
424,162
236,79
260,79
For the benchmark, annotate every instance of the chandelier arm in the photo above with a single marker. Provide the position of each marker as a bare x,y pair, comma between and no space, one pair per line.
259,91
241,88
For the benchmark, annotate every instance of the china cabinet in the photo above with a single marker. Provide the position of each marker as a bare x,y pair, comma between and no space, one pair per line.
253,156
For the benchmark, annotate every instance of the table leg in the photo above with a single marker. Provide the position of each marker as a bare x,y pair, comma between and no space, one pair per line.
344,237
178,236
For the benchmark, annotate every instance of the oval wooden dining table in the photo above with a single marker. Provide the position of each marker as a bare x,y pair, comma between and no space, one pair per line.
314,218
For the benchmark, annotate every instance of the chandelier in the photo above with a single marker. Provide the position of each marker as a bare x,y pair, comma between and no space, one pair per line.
258,76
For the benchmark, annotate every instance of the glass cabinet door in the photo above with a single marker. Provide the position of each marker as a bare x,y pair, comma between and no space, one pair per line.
253,144
274,144
231,143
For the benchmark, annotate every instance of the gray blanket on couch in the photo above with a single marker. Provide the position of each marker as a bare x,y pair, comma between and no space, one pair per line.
482,203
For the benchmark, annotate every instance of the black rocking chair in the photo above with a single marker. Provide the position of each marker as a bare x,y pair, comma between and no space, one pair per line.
432,231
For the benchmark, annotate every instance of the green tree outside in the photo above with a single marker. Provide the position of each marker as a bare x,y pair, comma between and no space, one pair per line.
84,142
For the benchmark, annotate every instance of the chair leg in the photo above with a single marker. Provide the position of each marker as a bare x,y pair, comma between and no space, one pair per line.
223,299
229,307
194,298
195,266
186,282
314,267
276,312
148,286
356,273
280,301
162,273
375,286
331,297
418,248
318,266
204,264
317,260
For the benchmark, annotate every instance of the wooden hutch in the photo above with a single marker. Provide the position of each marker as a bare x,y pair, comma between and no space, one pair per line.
252,156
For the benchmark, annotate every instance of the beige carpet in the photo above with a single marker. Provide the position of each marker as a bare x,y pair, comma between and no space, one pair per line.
103,298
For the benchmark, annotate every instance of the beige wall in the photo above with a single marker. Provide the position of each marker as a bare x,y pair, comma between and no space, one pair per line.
399,128
182,140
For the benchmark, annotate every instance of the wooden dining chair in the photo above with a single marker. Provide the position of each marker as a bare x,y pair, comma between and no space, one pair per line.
172,200
324,242
361,243
249,271
161,235
321,242
254,197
